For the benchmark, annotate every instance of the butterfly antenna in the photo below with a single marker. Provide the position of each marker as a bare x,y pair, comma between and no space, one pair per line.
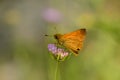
55,28
48,35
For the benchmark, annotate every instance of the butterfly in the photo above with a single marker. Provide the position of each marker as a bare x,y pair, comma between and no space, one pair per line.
73,41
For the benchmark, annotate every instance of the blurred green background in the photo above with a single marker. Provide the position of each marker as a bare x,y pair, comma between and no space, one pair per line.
23,46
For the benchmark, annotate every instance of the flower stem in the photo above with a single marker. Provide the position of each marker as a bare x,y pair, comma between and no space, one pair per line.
56,70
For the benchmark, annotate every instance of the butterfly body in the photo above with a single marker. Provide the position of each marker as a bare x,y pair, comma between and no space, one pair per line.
72,41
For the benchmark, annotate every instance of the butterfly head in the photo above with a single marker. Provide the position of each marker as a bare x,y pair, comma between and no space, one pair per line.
57,36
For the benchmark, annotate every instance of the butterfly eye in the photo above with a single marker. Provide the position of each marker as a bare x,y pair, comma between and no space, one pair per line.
78,49
55,36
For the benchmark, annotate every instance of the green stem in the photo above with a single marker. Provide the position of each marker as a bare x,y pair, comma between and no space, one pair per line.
56,70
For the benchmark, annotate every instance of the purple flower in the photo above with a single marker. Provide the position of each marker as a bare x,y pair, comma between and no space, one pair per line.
51,47
59,53
51,15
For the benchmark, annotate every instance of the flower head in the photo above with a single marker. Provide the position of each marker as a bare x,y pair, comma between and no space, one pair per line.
58,53
52,15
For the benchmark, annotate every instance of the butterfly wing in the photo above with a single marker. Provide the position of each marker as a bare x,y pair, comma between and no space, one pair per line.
74,40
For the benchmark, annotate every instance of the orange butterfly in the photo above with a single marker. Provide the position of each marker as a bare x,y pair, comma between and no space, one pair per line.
72,41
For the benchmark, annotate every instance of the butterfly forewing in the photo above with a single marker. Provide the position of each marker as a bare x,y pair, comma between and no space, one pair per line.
74,40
